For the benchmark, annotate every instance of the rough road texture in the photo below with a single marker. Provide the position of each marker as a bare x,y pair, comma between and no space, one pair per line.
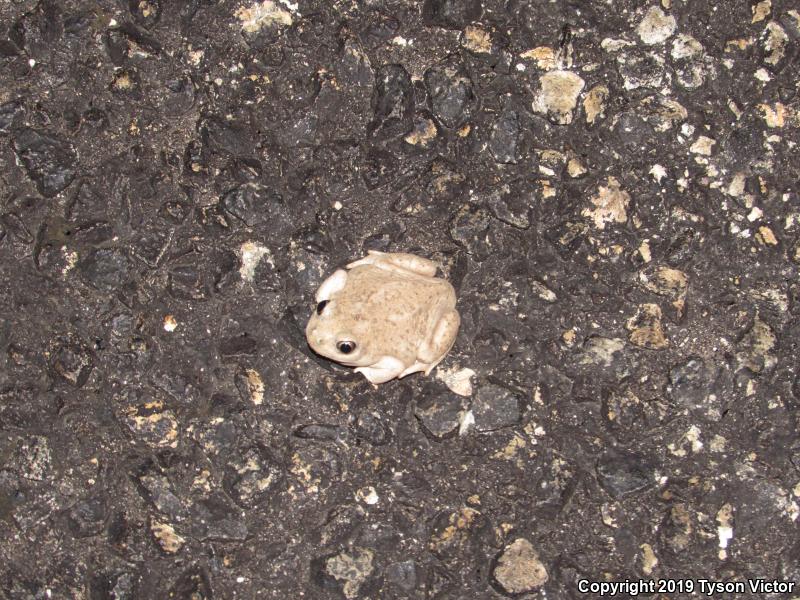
610,185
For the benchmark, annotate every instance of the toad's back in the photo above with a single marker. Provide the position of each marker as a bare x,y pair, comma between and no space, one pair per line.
404,300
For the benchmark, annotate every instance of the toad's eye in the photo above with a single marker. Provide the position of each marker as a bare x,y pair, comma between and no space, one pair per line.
346,347
321,306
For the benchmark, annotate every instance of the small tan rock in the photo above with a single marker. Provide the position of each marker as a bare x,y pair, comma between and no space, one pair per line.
665,281
754,351
457,380
164,533
610,205
649,559
254,385
645,252
169,323
703,145
477,39
766,236
544,56
262,14
558,95
646,328
685,46
455,531
615,44
250,254
680,528
519,568
423,134
737,185
575,168
738,44
761,10
663,113
600,351
351,568
668,282
774,115
595,103
154,424
656,26
775,43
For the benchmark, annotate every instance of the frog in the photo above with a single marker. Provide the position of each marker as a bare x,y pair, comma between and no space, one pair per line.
387,314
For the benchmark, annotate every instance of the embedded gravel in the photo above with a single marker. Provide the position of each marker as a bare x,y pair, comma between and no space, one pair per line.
611,187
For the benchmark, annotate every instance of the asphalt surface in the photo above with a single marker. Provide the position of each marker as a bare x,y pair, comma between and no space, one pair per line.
611,187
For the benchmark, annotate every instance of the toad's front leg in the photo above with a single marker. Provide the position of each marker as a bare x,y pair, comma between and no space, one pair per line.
382,371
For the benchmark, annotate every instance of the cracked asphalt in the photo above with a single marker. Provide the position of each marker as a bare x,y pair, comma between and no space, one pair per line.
610,185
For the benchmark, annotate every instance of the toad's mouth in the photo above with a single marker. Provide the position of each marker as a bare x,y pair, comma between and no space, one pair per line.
347,362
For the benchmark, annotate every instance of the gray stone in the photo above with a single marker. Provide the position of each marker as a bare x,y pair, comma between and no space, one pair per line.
451,14
48,159
495,408
450,92
622,475
439,414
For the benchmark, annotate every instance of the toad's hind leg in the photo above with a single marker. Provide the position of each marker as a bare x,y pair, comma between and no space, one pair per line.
400,260
417,366
444,336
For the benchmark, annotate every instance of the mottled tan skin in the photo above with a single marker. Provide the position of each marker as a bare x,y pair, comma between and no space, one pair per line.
401,318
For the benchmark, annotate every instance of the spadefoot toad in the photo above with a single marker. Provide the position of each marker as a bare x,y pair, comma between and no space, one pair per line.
387,314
